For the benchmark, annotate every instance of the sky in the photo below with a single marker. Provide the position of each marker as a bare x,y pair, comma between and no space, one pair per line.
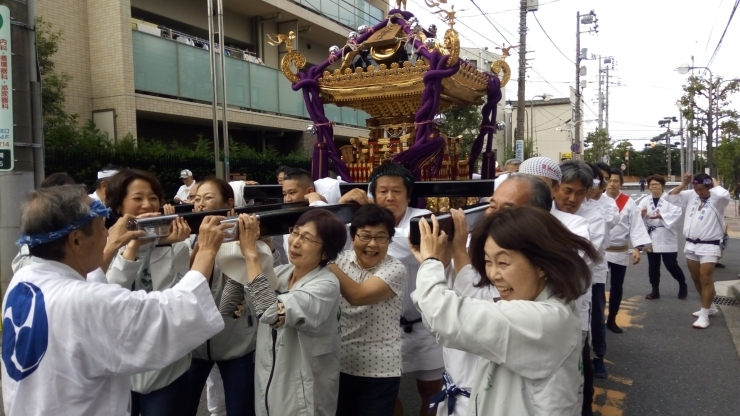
648,40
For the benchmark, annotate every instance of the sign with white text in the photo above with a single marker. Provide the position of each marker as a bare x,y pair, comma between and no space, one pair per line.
519,150
6,93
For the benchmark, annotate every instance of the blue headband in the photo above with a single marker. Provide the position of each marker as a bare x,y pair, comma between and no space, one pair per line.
706,181
97,209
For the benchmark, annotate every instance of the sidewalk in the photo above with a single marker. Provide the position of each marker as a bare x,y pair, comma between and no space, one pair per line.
732,219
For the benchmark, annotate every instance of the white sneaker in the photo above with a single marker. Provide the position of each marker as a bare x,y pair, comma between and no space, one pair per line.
712,311
702,322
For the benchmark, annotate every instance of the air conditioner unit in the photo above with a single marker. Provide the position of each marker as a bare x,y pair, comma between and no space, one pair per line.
533,5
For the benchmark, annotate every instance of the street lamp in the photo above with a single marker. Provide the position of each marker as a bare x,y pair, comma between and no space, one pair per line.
545,97
684,69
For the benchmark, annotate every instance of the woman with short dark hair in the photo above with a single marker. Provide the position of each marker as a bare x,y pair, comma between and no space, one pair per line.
298,341
661,218
530,350
372,284
150,265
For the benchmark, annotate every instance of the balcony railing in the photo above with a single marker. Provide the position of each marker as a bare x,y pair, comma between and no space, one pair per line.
352,13
171,68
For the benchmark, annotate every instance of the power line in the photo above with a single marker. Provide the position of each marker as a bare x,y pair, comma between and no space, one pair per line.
461,23
711,31
734,8
551,41
489,21
508,10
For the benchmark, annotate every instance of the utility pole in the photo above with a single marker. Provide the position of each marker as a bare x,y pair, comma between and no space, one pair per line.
607,102
21,135
520,105
601,96
218,73
690,143
589,19
577,113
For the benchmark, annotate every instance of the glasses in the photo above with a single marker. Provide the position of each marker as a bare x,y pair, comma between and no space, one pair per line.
296,233
382,239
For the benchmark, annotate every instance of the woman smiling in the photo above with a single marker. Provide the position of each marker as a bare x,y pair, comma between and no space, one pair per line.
372,285
297,356
529,343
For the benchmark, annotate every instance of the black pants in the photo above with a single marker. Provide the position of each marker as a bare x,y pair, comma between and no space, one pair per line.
598,326
367,396
642,187
166,401
238,377
671,263
617,273
588,381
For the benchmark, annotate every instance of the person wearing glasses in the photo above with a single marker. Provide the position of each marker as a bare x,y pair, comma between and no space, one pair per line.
298,340
372,284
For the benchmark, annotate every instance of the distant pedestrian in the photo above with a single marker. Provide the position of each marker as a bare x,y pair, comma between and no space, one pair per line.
183,194
704,229
642,183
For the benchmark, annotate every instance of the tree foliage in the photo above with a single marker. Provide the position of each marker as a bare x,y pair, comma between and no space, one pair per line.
722,119
598,146
465,122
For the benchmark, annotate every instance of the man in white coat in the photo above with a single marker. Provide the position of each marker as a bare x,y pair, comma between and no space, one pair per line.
569,196
661,218
69,345
630,228
704,229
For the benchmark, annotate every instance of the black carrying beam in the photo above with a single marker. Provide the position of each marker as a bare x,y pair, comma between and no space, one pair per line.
180,208
194,219
473,188
472,214
275,219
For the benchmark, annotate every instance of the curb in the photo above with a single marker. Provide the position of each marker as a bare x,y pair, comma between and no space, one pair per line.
735,291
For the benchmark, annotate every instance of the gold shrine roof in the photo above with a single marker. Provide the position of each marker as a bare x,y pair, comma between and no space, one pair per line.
396,90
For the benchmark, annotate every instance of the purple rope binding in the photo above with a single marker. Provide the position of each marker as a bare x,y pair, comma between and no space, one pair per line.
488,170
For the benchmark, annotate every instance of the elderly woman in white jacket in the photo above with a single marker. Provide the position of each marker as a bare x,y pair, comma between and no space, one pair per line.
298,340
529,342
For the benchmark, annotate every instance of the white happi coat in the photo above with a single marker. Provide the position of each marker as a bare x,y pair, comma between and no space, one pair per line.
584,222
706,224
297,365
663,234
419,349
530,351
460,365
630,228
81,341
609,211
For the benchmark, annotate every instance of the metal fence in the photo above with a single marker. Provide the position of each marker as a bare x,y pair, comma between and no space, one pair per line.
84,165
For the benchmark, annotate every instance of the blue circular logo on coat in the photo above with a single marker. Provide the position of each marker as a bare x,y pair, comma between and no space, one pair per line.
25,330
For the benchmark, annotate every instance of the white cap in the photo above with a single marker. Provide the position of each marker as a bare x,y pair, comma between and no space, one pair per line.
542,166
185,174
106,173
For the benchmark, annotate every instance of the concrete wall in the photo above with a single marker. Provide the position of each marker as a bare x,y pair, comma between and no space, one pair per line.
73,56
548,118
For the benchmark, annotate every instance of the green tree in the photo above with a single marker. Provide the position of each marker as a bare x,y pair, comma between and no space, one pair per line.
465,122
720,117
598,146
57,123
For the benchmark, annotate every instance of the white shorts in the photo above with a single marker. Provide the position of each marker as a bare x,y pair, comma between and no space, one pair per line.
420,351
690,255
428,375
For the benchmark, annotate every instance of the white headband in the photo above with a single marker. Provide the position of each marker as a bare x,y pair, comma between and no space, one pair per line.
596,184
106,173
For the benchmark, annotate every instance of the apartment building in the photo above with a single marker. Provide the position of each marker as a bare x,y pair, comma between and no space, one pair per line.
547,124
142,67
